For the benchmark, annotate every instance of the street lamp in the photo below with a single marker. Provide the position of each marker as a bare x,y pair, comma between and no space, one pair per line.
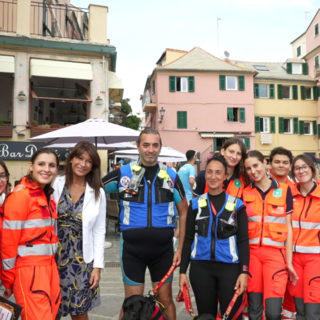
162,112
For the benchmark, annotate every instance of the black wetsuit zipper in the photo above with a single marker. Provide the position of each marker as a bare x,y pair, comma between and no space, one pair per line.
213,239
149,204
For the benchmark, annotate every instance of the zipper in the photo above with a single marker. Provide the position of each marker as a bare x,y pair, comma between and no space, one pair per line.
313,279
262,220
213,239
36,238
149,205
306,214
295,245
278,272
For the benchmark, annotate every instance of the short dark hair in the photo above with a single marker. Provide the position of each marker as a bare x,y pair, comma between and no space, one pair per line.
308,160
190,154
220,159
282,151
148,130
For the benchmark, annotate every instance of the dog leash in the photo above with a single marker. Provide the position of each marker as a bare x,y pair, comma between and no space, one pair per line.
155,290
185,296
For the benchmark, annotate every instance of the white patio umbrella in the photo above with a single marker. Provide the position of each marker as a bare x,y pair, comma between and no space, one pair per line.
92,130
100,146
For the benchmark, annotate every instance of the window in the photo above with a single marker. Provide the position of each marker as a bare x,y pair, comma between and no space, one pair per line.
231,83
181,84
298,51
261,68
286,92
153,87
308,93
307,128
263,91
316,62
264,125
233,114
296,68
287,125
182,120
316,29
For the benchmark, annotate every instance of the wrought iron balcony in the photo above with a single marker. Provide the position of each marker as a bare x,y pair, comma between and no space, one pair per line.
8,16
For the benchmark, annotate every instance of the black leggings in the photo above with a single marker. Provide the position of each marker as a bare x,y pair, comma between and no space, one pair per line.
210,281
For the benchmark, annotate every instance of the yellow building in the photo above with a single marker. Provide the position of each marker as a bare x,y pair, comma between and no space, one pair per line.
285,106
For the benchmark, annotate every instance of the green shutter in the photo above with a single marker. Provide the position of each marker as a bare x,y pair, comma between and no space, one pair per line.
315,93
247,143
295,125
316,29
295,92
153,87
272,125
182,119
304,68
242,113
281,125
257,124
172,83
316,62
271,91
230,114
318,130
314,127
191,84
222,82
289,67
298,51
280,95
301,127
256,90
215,147
241,83
303,92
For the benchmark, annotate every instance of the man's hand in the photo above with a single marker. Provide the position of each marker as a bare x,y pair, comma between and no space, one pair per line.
7,293
177,258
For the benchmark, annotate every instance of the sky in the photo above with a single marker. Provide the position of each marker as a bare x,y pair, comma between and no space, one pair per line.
250,30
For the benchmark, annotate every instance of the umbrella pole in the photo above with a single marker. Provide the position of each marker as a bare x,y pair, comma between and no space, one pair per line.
96,142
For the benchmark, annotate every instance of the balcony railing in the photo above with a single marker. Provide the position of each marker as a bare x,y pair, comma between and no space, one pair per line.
8,16
63,21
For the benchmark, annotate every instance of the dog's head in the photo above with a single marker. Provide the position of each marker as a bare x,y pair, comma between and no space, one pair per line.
205,316
137,308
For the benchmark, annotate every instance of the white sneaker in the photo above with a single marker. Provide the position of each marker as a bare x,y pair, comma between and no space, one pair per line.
107,245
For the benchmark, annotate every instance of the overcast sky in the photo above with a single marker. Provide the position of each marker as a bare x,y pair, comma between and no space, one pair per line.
251,30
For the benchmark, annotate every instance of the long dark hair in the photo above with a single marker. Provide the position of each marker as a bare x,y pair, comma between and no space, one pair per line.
94,176
47,189
253,154
4,166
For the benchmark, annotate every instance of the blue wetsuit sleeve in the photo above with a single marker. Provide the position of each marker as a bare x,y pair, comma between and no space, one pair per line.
111,181
178,193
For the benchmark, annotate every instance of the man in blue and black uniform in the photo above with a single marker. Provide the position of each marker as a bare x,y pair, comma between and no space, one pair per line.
147,216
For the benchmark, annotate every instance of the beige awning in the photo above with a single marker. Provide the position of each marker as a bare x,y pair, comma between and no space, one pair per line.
216,135
115,87
60,69
7,64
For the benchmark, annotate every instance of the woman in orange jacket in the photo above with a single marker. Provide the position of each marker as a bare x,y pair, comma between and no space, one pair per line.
269,205
29,243
306,239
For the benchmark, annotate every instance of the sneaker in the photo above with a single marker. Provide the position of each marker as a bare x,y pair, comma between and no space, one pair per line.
107,245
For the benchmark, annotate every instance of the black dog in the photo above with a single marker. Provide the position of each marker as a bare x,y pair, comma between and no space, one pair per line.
205,316
140,308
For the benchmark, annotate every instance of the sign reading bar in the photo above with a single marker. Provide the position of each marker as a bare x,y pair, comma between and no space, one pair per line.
16,150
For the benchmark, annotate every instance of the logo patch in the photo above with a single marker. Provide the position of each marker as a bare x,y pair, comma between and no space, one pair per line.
237,183
277,193
125,181
171,182
127,195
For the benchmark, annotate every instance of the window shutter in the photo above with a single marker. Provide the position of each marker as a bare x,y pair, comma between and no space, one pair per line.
271,91
184,119
153,87
215,147
318,130
315,93
191,84
303,92
298,51
295,92
280,91
241,83
178,119
314,127
256,90
316,29
247,143
316,62
172,83
242,112
181,119
222,82
304,68
301,127
296,125
281,125
289,67
257,124
230,114
272,125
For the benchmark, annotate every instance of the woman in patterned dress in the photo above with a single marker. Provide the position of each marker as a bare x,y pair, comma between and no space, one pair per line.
81,207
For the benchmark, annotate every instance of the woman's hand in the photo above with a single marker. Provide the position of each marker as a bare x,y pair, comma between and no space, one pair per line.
183,281
177,258
292,274
242,283
95,277
7,293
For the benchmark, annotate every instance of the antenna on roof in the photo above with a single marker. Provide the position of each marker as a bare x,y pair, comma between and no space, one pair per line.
227,54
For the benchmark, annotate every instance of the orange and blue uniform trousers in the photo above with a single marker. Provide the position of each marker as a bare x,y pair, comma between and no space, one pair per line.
28,244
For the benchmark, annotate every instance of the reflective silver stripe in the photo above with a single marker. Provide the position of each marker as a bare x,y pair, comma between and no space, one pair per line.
20,187
8,264
255,240
306,225
38,250
270,242
203,196
171,212
121,189
304,249
233,251
231,199
194,251
162,166
34,223
254,219
126,218
281,220
289,314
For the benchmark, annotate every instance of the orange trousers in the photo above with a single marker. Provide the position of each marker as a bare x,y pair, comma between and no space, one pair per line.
307,267
268,270
37,290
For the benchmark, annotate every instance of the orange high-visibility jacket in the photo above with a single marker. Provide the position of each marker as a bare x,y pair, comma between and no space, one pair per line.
306,221
267,221
235,187
1,220
28,237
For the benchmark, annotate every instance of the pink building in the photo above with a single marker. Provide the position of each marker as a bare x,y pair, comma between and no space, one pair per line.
206,101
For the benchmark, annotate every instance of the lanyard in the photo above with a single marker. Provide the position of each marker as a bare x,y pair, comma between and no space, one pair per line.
213,209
